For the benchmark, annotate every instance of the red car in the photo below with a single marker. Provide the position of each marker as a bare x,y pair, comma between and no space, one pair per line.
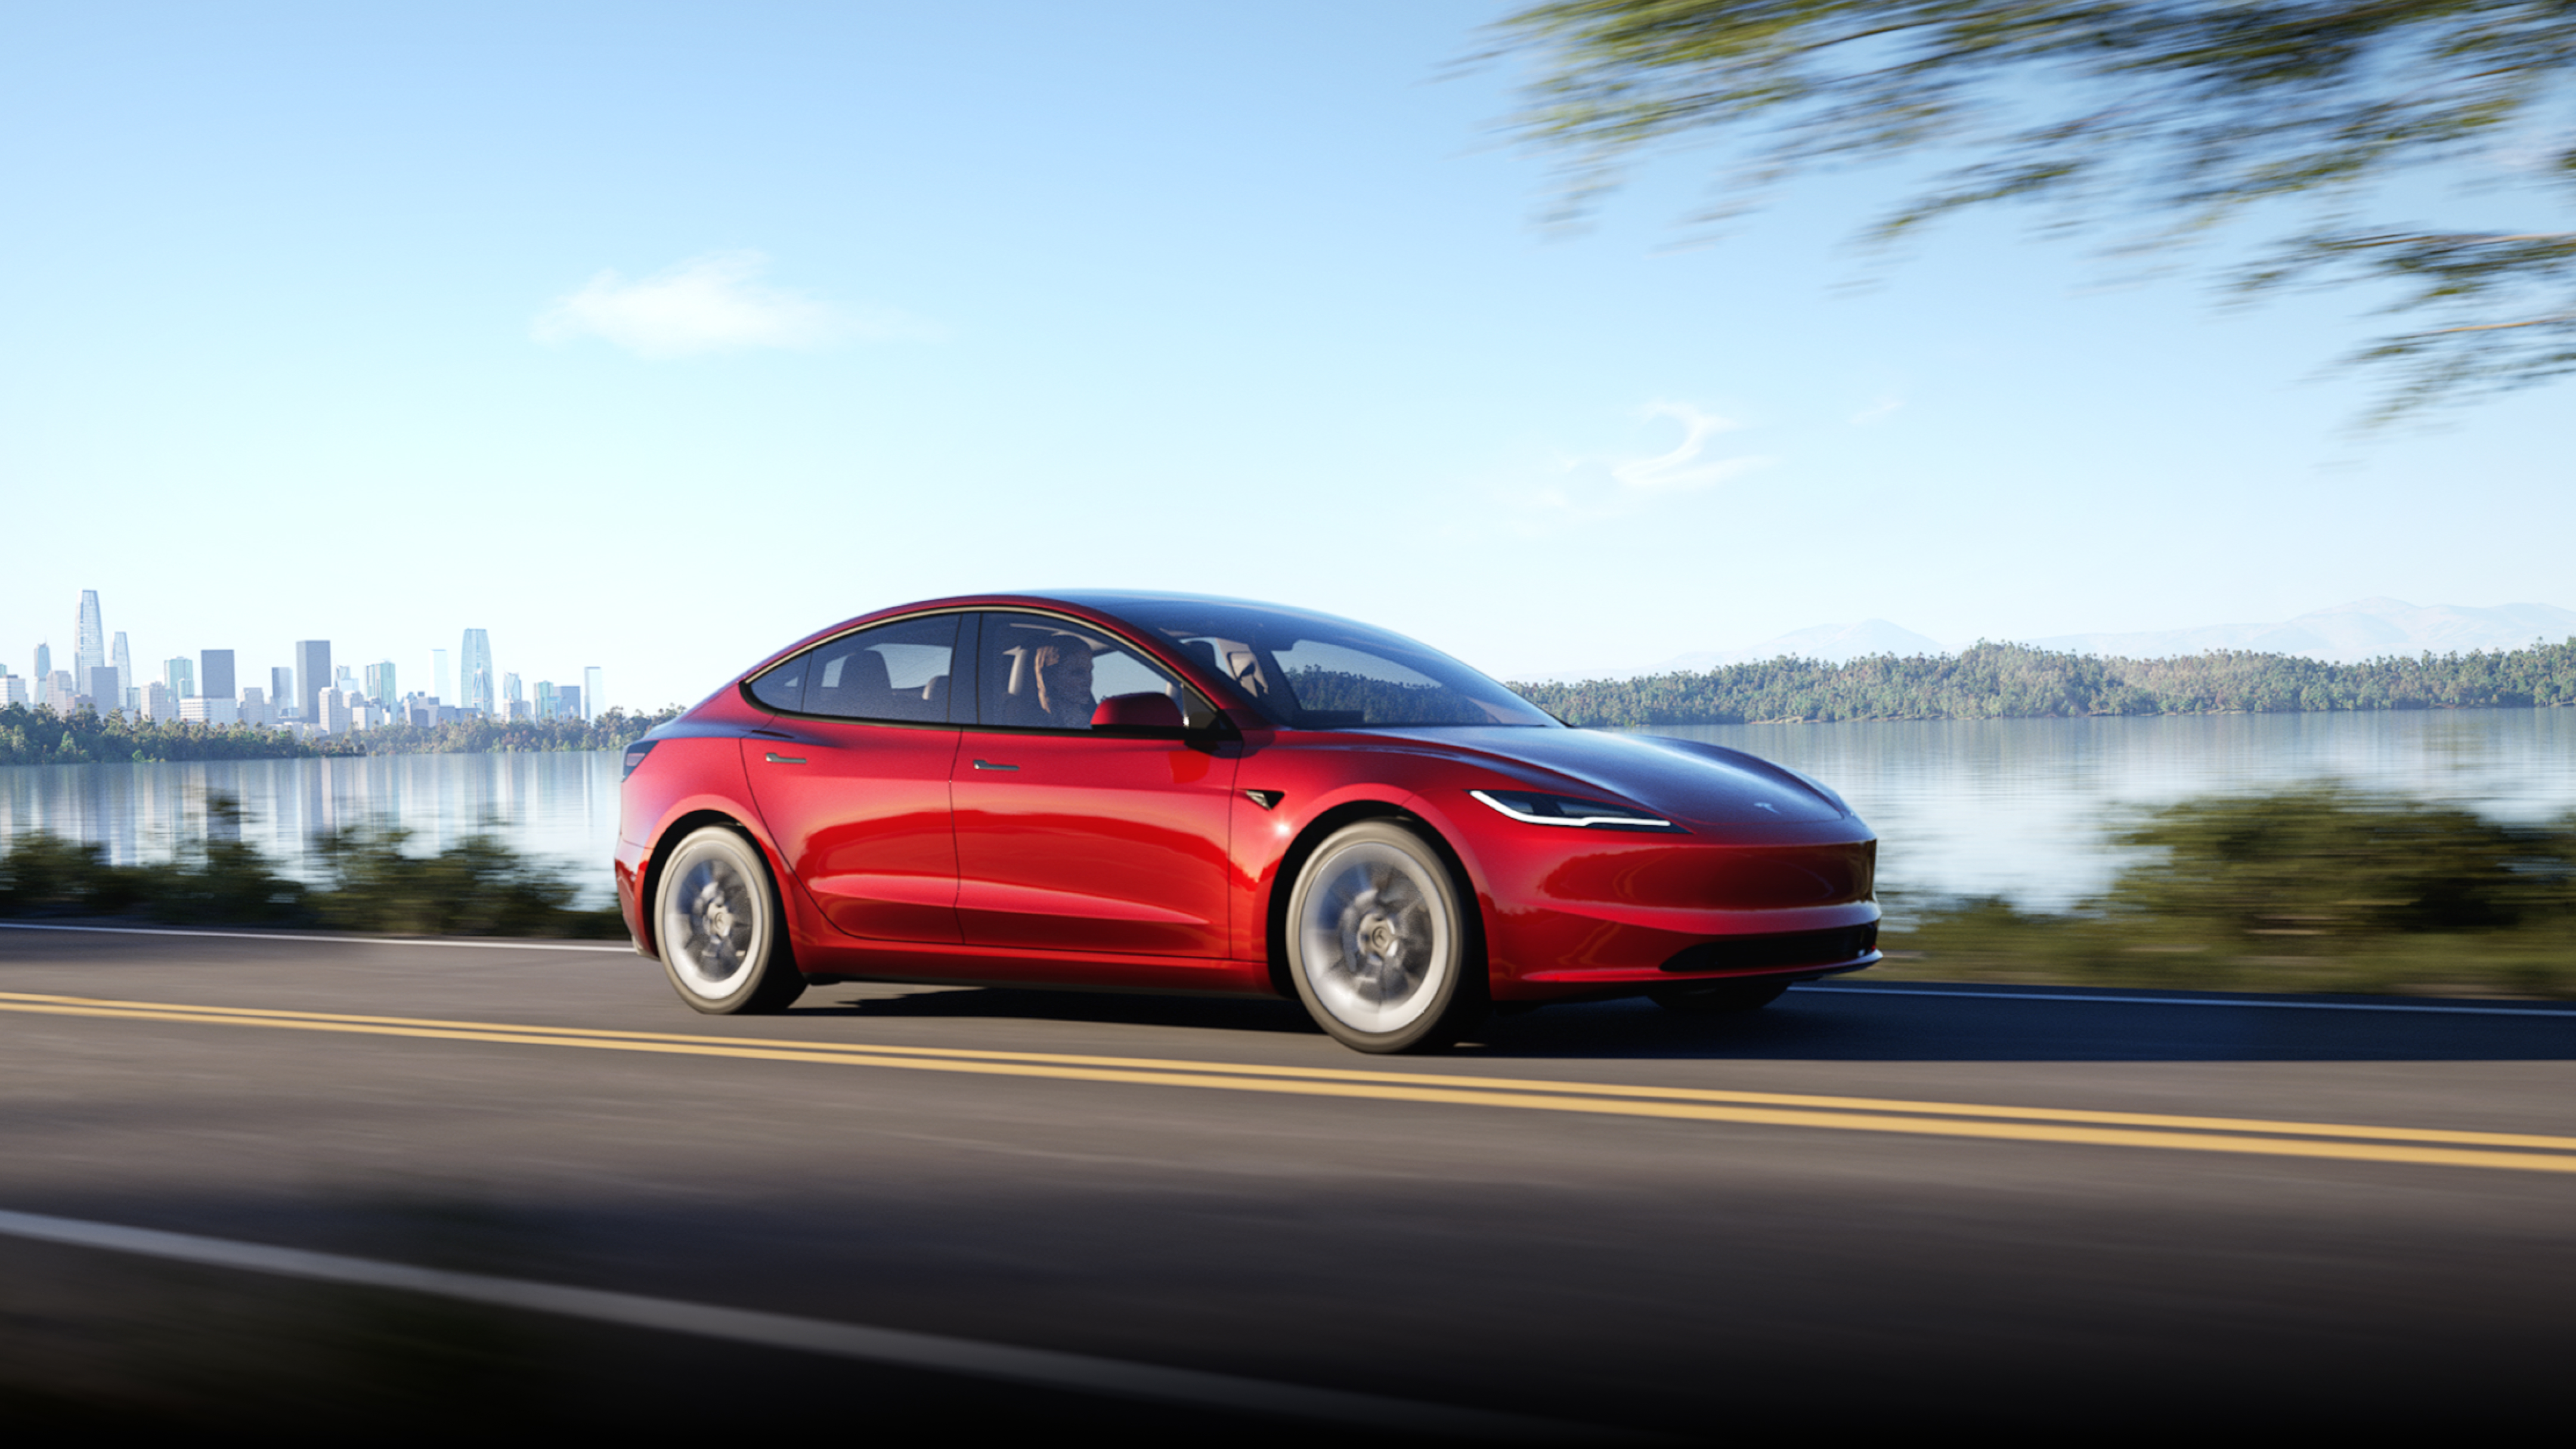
1162,792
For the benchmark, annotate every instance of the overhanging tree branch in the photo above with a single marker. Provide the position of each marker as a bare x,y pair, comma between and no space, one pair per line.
2197,112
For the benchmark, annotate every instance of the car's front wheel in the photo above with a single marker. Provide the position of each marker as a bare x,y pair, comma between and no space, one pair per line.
1378,943
717,921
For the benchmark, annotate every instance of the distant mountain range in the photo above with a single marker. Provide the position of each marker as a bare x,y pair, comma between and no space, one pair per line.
1833,642
2345,634
2349,633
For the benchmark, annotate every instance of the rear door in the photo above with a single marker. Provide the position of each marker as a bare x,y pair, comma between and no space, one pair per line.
851,775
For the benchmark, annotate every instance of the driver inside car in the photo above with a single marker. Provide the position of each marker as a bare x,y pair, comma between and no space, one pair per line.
1063,672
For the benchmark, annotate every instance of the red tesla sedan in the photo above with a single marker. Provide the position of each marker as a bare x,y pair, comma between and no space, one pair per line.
1163,792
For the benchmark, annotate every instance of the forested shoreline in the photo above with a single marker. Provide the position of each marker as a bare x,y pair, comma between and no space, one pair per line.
1986,681
38,736
2017,681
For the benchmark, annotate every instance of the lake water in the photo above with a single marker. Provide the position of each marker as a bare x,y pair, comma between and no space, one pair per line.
2003,807
561,806
2017,807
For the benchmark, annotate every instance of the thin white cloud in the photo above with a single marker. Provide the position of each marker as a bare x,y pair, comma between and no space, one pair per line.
1885,405
714,303
1681,471
1582,489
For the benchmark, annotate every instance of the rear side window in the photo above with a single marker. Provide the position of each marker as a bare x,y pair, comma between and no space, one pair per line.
783,688
899,672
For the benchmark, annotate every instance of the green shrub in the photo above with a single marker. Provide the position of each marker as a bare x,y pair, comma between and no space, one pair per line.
477,887
2319,889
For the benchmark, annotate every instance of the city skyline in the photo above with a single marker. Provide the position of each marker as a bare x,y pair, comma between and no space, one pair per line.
209,675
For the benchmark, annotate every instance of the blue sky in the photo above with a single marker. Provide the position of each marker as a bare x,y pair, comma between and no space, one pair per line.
651,337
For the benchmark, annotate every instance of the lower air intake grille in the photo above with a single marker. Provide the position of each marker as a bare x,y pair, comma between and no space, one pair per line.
1796,948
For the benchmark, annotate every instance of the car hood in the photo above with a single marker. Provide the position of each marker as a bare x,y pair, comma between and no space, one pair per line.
1682,780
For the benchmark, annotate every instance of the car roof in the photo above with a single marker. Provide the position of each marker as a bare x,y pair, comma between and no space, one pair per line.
1101,602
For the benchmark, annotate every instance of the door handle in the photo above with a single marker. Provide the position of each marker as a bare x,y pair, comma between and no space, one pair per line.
989,765
776,758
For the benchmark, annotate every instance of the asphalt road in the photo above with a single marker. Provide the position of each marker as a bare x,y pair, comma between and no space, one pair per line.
1864,1206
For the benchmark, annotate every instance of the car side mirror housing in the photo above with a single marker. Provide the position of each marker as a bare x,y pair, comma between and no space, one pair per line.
1145,714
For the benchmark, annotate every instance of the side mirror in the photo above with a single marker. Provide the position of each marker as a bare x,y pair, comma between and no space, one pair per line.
1137,714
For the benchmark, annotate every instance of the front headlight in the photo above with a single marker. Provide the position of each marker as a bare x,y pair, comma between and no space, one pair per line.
1532,808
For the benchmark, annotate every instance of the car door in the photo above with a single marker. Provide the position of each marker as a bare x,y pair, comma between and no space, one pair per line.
851,775
1072,840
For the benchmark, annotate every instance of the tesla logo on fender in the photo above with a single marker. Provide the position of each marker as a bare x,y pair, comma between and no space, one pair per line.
1265,798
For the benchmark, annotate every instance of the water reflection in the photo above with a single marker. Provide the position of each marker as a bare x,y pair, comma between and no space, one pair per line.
2016,807
2005,807
561,805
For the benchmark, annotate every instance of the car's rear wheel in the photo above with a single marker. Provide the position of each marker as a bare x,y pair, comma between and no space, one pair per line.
1720,996
1378,943
717,921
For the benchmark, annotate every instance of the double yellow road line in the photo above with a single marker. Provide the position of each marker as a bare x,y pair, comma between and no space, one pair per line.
2436,1147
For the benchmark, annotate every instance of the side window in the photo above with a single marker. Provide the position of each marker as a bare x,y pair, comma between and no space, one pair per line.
895,672
783,687
1036,672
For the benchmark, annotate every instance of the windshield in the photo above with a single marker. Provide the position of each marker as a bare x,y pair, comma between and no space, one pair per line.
1316,672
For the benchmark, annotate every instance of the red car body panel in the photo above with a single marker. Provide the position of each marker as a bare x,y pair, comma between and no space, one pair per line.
861,814
1160,864
1068,842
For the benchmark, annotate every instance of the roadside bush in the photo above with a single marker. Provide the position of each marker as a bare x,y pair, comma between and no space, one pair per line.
2320,889
477,887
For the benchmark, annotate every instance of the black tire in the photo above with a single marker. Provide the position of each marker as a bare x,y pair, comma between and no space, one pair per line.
1379,947
1720,997
723,938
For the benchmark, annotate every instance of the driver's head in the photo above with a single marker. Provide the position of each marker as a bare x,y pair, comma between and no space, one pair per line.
1064,681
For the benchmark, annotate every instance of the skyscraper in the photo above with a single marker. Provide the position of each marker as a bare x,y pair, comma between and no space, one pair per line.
590,692
476,677
281,691
44,662
181,675
110,686
312,675
441,688
214,672
380,684
121,659
89,642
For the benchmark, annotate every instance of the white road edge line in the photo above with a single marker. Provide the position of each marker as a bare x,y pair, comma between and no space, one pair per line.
1893,990
332,940
1045,1368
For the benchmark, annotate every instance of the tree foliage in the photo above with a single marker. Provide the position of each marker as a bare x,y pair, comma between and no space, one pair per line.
2016,681
2188,112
